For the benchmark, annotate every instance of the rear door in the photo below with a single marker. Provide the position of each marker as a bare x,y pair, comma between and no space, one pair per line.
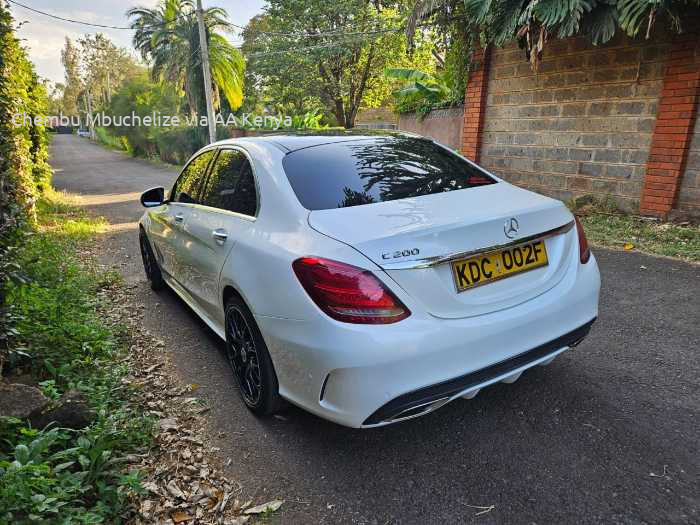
228,210
168,222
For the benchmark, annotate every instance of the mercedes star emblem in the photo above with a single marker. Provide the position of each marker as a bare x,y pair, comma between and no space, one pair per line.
510,228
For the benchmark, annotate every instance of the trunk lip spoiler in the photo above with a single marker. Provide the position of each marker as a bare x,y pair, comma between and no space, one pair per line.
428,262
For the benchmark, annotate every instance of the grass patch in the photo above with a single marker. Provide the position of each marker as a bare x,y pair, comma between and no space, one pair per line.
58,475
110,141
59,214
606,226
667,239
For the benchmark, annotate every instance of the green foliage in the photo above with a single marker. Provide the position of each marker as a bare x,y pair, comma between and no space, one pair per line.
62,476
534,22
70,59
458,58
284,91
334,54
308,120
139,96
94,67
421,90
117,142
59,475
176,145
168,37
23,167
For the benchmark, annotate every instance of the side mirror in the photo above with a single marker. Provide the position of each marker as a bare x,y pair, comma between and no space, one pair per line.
153,197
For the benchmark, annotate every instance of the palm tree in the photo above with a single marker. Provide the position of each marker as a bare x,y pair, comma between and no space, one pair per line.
167,37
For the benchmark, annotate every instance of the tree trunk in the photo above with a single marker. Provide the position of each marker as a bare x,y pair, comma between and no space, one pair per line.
356,95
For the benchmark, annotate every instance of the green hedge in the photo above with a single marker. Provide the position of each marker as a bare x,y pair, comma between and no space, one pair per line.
24,170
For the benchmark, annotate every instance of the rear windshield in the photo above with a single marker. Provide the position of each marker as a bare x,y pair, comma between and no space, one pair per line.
353,173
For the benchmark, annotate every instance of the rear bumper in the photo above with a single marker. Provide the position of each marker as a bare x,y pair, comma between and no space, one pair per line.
429,398
360,375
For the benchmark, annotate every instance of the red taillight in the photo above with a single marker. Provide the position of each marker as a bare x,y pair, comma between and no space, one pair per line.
348,293
583,250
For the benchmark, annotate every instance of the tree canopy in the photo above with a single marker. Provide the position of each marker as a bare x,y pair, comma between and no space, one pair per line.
329,53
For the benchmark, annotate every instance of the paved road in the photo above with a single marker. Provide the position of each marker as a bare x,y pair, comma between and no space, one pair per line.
607,433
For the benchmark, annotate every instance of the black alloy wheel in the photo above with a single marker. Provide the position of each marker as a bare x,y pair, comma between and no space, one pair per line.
249,360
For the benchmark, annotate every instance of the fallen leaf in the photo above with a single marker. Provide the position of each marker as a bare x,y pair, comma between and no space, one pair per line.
180,516
240,520
224,501
168,423
175,490
151,487
270,506
146,508
153,367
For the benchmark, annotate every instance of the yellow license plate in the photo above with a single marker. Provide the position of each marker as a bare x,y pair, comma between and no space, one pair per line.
498,264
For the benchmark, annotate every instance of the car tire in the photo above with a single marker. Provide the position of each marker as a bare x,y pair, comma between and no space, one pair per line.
252,368
150,264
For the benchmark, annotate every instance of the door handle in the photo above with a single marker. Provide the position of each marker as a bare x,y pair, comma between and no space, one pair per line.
220,236
179,217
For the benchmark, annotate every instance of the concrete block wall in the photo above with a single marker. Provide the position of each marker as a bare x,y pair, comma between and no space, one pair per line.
443,125
582,124
688,203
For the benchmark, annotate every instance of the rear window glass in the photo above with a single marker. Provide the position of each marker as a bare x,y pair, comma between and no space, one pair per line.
343,174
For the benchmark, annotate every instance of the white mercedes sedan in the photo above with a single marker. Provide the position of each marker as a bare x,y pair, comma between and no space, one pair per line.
368,278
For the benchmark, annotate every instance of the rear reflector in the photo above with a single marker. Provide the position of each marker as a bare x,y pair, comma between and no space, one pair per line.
583,249
348,293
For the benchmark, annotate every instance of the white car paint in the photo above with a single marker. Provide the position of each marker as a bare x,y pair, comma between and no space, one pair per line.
347,372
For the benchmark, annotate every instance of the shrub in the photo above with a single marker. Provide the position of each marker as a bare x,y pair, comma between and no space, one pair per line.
59,475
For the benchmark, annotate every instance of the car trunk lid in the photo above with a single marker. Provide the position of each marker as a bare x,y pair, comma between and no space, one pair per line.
415,240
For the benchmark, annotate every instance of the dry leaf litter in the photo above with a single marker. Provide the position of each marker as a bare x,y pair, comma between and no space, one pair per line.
180,474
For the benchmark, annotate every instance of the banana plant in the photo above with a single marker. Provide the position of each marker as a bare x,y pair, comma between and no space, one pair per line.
420,88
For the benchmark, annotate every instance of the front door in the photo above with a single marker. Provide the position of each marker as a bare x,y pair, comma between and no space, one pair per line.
168,221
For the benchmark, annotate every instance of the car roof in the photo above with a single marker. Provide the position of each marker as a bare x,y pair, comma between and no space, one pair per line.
293,141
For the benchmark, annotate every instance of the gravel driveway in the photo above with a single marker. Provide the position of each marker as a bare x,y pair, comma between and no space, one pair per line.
607,433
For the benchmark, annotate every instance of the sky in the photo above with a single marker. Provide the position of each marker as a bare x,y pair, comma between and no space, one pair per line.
44,37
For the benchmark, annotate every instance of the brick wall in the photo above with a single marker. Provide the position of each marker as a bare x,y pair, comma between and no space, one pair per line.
673,130
474,105
582,124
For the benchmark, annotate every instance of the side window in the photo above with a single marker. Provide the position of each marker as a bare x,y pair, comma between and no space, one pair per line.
188,185
231,185
246,194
